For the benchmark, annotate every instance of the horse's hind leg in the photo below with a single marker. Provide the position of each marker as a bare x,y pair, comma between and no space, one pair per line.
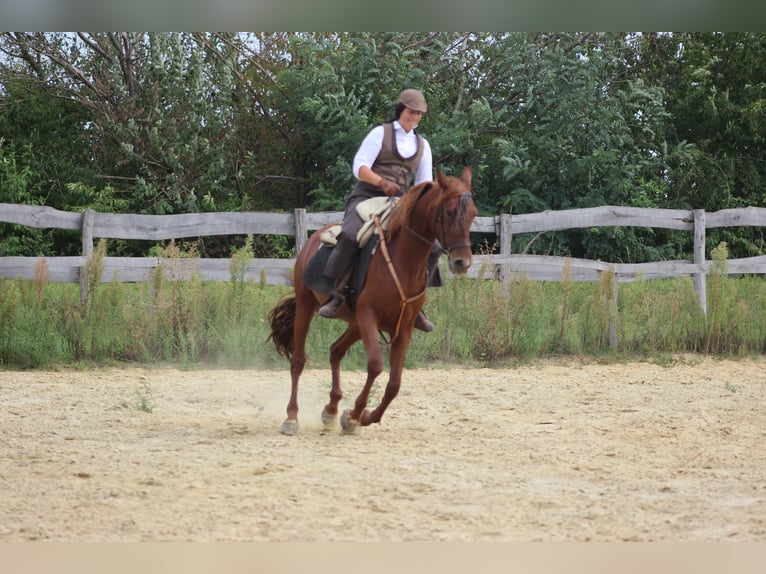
290,424
337,352
303,317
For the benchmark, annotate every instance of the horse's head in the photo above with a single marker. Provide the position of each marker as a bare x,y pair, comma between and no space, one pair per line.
443,210
452,215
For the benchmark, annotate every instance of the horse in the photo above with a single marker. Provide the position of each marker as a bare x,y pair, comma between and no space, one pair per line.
388,303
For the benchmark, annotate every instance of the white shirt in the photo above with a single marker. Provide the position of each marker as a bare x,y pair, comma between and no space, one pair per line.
406,143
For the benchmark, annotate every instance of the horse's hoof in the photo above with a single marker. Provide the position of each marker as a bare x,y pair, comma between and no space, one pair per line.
289,427
329,421
347,423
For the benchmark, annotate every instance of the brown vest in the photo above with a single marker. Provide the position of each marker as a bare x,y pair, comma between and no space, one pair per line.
391,165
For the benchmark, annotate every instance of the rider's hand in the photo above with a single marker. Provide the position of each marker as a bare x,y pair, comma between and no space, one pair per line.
389,187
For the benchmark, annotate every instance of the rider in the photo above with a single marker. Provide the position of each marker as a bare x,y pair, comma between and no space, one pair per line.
390,156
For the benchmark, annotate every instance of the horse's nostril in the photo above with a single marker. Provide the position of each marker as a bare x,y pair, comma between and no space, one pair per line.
460,265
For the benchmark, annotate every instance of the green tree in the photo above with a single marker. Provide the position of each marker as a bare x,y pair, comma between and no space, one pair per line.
160,109
565,121
718,87
179,122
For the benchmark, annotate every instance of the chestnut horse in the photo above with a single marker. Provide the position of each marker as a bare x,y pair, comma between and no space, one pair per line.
389,302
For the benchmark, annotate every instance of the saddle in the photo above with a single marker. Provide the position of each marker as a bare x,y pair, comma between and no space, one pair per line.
366,238
367,210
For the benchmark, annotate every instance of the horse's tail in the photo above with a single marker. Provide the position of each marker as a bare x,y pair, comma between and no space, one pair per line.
282,318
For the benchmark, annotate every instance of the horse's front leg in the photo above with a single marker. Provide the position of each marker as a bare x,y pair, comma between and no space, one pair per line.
337,352
397,356
352,418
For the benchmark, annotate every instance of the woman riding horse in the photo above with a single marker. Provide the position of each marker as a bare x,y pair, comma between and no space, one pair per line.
385,164
389,304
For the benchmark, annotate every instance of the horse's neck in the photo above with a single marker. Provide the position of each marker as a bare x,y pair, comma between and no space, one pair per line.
410,250
412,243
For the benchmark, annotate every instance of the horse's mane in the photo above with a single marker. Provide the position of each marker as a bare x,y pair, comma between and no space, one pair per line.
400,217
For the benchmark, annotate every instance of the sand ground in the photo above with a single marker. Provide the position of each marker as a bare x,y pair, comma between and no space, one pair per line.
563,450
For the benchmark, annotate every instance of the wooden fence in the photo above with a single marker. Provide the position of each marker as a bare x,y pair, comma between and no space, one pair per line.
300,223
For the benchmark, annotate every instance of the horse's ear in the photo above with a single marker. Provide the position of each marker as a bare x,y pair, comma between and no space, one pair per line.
443,183
465,177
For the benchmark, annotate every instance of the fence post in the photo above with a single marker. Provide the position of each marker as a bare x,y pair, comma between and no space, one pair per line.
613,314
88,217
505,248
700,278
301,229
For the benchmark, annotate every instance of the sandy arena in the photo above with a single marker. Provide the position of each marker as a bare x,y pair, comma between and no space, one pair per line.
555,451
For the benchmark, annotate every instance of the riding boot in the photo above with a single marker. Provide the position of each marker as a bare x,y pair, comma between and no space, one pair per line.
433,279
422,323
433,273
330,308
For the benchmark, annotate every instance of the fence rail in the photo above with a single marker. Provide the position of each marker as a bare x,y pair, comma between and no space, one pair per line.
300,223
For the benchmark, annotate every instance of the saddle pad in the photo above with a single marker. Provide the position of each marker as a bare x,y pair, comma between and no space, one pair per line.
313,276
368,209
330,235
315,279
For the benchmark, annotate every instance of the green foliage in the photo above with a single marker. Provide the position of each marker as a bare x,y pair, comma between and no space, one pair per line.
16,178
49,133
732,323
27,338
184,122
663,314
718,83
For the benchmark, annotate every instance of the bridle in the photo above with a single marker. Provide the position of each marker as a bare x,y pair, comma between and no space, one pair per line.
446,249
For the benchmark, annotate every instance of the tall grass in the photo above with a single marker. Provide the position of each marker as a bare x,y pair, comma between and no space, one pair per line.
479,321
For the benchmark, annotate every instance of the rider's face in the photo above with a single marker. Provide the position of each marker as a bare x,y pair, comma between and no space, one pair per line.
409,119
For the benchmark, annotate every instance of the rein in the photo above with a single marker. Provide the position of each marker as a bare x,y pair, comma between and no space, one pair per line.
403,299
